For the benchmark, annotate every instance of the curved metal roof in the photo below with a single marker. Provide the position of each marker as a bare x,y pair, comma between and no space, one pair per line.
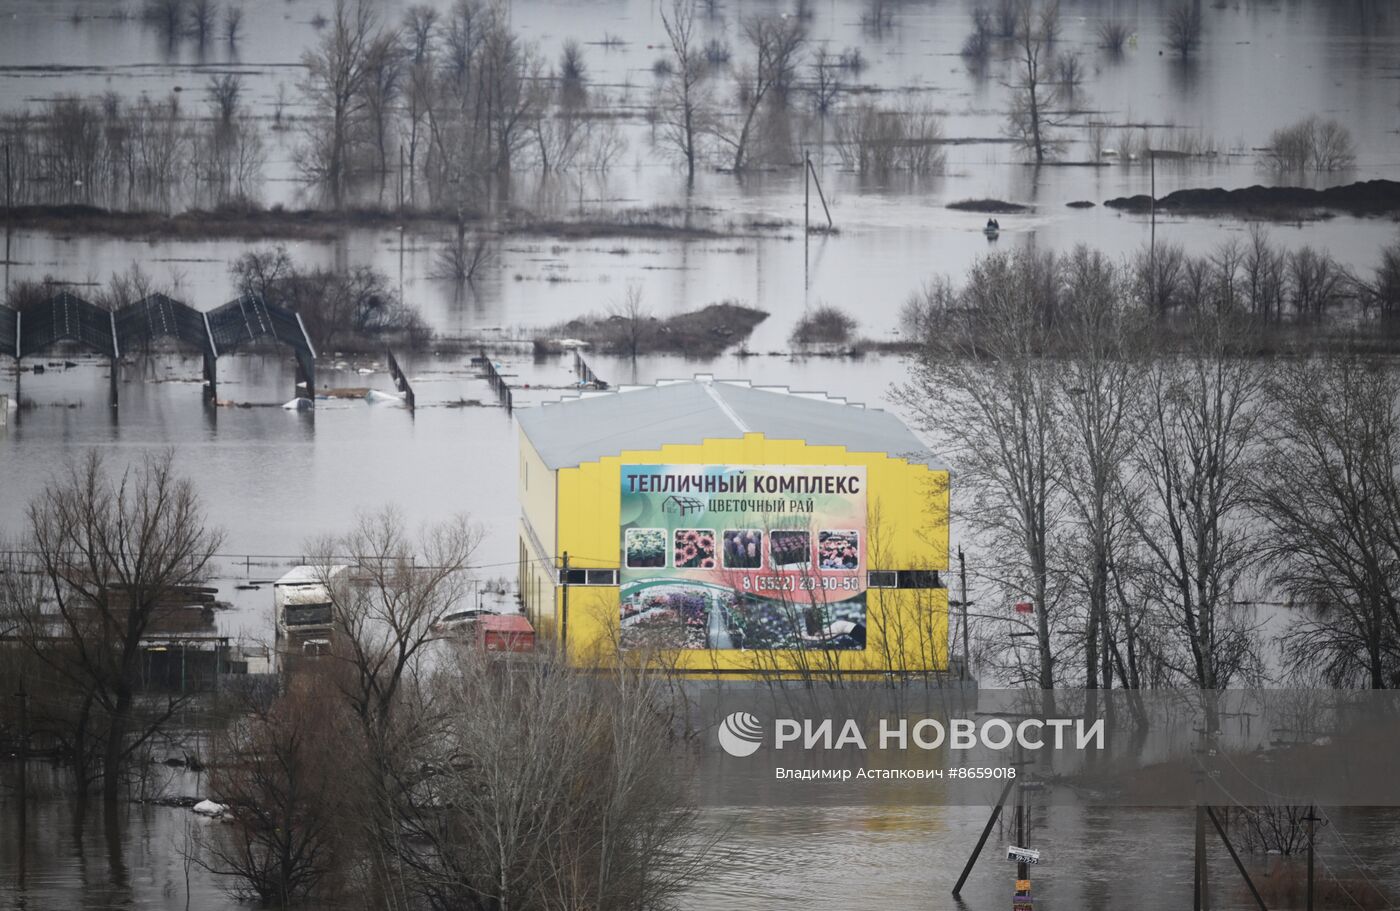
67,317
593,425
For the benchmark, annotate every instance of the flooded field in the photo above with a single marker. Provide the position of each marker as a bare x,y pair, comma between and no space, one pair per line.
896,234
273,478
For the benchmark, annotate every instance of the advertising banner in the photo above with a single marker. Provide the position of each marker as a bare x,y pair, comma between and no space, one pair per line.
743,556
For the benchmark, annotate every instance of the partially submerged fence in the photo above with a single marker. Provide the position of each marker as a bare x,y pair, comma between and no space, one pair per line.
585,373
400,380
498,382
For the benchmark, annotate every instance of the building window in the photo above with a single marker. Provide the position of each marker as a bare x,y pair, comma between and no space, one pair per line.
884,578
919,578
588,577
905,578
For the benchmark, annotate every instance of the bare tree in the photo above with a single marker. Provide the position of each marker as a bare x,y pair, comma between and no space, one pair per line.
1100,391
283,775
116,552
1383,292
1184,28
683,107
1331,541
463,255
420,26
233,22
224,94
977,46
876,140
632,317
1035,92
826,81
338,72
383,84
384,607
554,787
357,302
1160,275
1193,467
1311,144
572,67
997,408
1113,35
1265,279
776,43
202,18
1317,281
166,15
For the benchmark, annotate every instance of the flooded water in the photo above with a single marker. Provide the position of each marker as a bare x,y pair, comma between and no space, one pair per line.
830,858
273,478
1336,60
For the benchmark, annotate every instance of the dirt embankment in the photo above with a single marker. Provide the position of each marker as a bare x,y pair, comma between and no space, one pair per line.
988,206
1371,197
700,333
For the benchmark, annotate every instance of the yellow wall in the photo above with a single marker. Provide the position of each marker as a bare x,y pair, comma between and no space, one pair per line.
537,490
906,629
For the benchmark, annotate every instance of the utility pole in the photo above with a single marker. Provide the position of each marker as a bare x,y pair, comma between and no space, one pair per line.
806,222
1201,889
23,697
1311,818
962,596
806,193
1021,869
564,610
1152,208
9,225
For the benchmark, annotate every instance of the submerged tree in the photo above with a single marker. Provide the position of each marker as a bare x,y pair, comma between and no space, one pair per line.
683,108
553,787
393,589
117,552
284,778
1329,488
1193,469
1184,28
338,72
776,42
1100,391
1035,93
994,400
1311,144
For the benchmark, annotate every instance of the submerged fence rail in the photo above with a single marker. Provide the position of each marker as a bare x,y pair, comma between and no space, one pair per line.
498,382
400,380
585,373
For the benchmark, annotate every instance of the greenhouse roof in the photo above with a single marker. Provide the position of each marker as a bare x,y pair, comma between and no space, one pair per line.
592,425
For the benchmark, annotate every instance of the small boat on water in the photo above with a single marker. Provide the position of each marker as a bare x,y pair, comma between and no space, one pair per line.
992,232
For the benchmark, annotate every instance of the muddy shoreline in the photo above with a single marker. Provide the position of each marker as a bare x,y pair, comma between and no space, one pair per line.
1370,197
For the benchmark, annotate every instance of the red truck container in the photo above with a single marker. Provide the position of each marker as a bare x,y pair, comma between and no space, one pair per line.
505,633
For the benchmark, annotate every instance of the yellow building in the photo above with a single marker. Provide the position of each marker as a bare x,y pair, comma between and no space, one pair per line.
731,529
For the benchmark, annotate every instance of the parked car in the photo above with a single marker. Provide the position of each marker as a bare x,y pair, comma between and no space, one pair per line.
458,621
